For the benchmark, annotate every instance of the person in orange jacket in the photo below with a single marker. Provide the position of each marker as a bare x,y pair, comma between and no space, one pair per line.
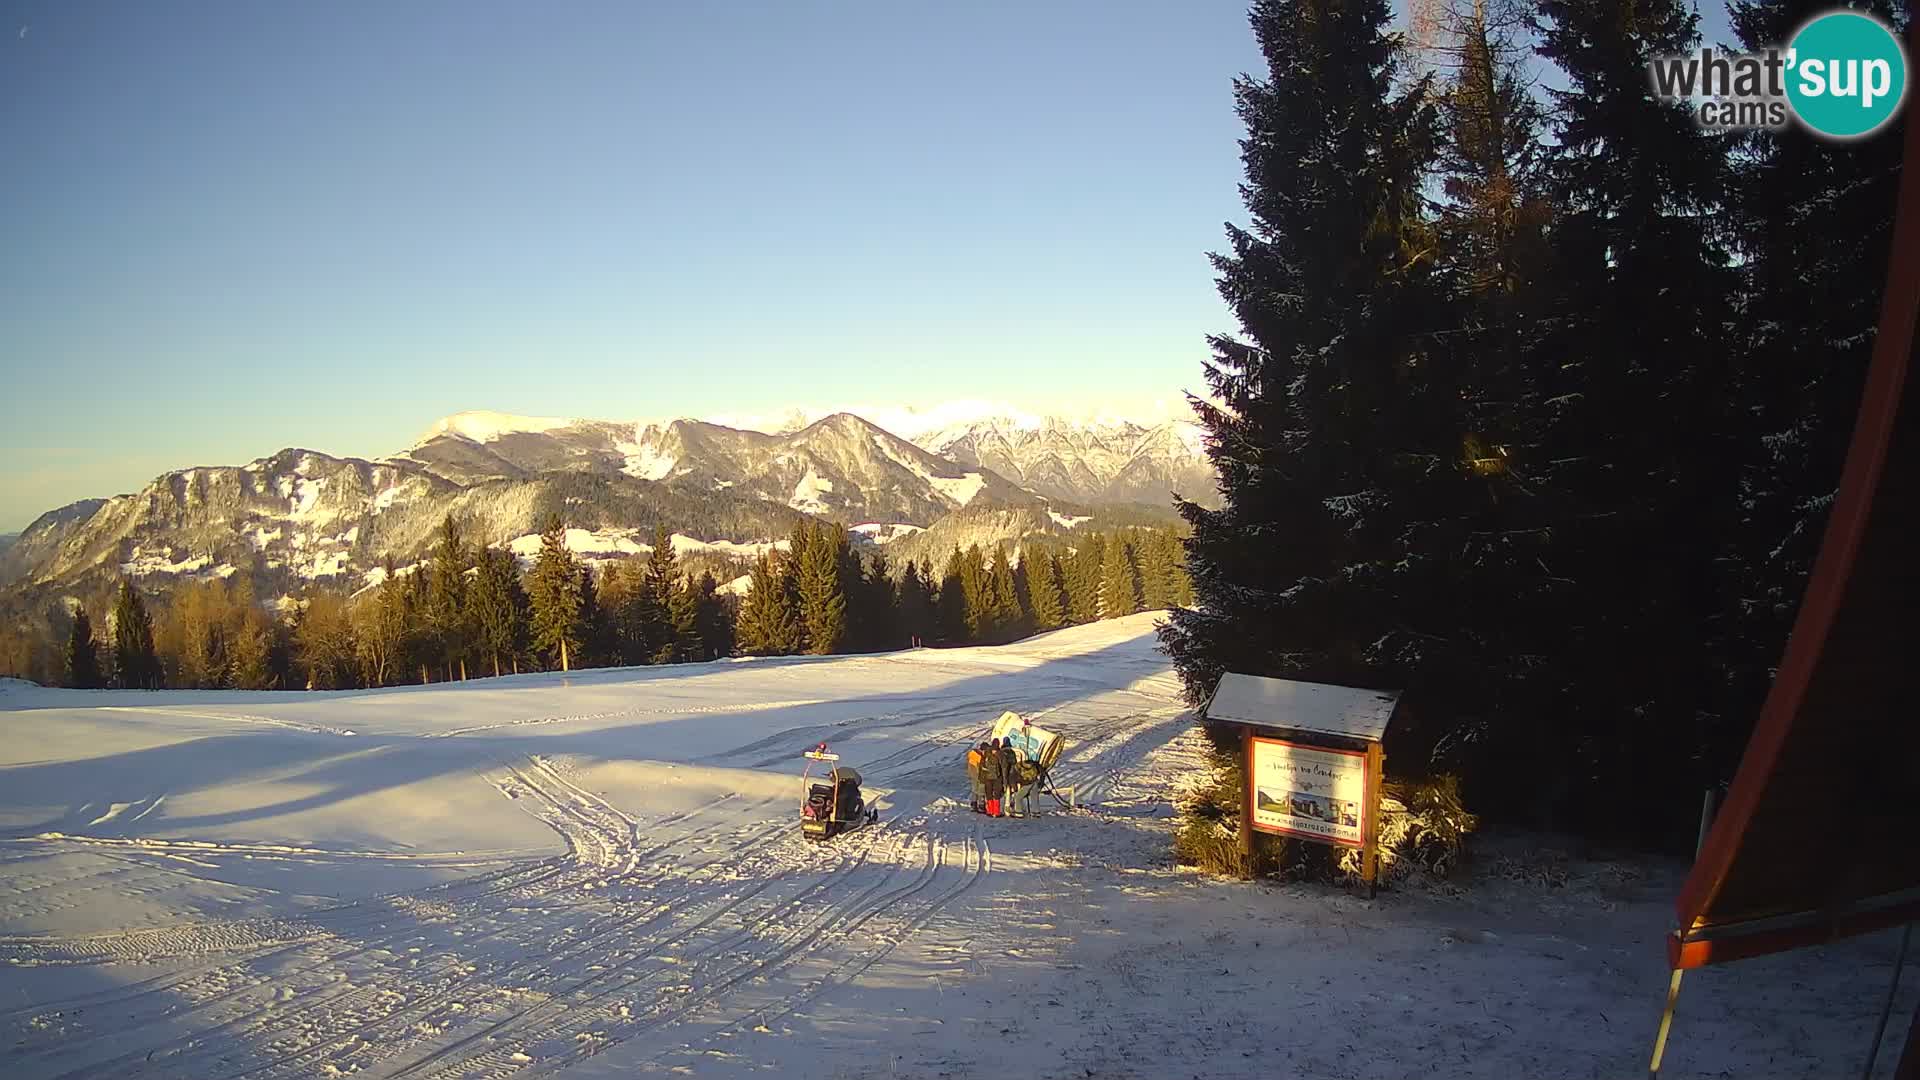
977,779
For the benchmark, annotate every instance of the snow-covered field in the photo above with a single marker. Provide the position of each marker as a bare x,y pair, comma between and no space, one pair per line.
600,875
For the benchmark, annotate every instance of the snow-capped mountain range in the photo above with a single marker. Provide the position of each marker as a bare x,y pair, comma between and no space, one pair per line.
301,515
1094,460
839,466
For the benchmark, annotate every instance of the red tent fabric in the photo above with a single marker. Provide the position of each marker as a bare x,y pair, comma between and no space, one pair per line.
1817,835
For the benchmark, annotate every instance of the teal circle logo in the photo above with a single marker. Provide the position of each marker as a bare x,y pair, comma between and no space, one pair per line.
1847,74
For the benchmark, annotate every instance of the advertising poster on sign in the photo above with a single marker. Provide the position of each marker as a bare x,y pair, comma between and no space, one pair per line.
1310,791
1029,741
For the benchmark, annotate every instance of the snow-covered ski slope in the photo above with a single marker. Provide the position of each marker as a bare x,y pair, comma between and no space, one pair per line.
600,874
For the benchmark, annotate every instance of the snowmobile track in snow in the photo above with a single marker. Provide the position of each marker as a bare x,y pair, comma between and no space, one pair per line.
601,850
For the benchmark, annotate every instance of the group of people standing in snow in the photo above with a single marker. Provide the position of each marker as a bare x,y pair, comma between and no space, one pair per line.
1003,779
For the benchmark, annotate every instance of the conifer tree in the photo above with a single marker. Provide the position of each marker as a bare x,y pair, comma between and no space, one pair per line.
951,604
616,588
497,608
1156,555
1322,419
1023,600
553,594
713,622
683,624
916,605
1646,289
976,589
1044,589
1815,224
1001,620
1119,578
83,653
448,633
1183,583
789,579
767,624
416,646
875,618
1494,210
134,658
820,580
1081,579
656,594
598,645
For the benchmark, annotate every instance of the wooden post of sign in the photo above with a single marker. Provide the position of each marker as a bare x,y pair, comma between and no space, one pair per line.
1246,802
1370,836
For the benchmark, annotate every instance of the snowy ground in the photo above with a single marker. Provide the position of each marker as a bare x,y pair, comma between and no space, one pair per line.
600,875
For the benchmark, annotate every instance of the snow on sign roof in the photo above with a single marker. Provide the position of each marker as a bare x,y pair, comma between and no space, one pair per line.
1302,706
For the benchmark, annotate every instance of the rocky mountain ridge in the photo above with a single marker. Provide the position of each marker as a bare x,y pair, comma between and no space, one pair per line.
300,516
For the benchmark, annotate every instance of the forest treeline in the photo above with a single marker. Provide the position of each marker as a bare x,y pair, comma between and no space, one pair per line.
1540,394
468,610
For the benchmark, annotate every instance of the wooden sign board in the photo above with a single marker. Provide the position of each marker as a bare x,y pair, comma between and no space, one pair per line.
1313,760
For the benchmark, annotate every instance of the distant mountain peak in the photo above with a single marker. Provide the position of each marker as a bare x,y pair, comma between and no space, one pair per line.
485,426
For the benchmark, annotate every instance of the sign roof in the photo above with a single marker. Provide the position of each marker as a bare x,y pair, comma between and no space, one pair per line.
1346,711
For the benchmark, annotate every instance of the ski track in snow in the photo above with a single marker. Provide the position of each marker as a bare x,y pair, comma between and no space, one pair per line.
601,875
237,718
344,988
718,915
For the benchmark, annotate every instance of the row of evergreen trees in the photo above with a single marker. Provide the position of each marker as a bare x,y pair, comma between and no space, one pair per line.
468,609
821,596
1539,398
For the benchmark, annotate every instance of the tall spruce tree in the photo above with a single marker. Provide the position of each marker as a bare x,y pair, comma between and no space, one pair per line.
1119,578
599,642
683,624
619,588
1816,220
713,619
1022,598
916,605
656,593
1156,551
135,662
83,653
976,589
497,608
950,606
1638,452
767,625
553,594
1044,589
1478,554
1000,619
875,617
448,632
820,578
1322,420
1080,578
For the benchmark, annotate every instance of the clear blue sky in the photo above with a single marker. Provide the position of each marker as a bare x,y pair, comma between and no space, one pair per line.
231,227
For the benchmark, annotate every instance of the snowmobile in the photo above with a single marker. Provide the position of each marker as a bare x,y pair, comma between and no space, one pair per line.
833,805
